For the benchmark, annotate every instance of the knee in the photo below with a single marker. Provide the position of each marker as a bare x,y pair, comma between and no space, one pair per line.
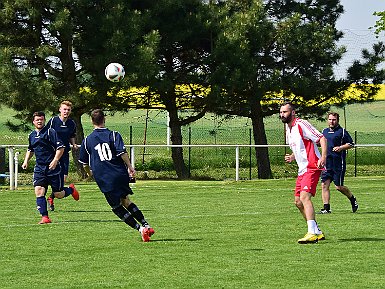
339,188
298,203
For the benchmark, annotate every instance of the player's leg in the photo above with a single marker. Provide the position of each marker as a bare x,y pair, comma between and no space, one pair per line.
136,213
64,164
339,184
114,200
40,187
308,185
60,191
326,178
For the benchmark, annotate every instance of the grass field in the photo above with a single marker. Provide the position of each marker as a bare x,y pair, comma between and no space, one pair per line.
208,235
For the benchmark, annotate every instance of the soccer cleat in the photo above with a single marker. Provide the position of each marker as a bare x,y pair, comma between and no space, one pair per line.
321,237
308,238
45,220
75,193
354,205
323,211
51,205
144,232
151,231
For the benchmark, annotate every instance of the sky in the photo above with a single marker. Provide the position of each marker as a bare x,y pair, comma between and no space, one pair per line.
355,22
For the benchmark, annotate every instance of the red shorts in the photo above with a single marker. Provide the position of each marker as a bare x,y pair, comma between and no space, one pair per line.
307,182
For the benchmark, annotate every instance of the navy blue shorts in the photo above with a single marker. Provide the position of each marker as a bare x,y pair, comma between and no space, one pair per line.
56,181
64,163
113,197
337,176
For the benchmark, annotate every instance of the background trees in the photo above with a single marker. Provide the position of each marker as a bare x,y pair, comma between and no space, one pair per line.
235,57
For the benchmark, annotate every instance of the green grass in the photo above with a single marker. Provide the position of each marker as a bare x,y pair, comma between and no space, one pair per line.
208,235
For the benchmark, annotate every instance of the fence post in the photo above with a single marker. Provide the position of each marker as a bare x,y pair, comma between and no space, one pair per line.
2,165
189,152
355,154
11,168
237,163
16,168
250,140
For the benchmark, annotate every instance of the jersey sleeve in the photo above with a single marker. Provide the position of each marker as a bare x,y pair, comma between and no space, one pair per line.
54,139
347,138
83,154
310,132
73,132
119,144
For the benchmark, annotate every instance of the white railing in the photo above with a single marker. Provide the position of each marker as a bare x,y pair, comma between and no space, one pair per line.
13,156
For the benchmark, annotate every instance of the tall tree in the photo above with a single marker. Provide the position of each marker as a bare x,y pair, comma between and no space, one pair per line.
42,59
276,49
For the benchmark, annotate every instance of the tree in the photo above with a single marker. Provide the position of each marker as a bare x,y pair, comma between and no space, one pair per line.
269,51
42,59
380,23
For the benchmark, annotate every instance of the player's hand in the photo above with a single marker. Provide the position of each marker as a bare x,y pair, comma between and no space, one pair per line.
337,149
24,165
321,163
289,158
53,164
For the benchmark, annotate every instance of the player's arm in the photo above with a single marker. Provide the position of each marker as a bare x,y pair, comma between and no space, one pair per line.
87,169
28,156
73,143
126,160
59,152
324,146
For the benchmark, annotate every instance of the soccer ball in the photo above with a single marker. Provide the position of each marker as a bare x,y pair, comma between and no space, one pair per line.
114,72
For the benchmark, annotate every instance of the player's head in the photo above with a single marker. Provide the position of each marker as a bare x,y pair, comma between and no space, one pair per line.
97,117
38,119
287,112
65,109
333,119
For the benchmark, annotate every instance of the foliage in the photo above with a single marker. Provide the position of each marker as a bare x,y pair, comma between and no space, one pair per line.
380,23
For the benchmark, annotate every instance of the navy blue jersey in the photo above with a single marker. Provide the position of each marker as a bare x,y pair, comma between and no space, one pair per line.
336,137
44,145
65,130
101,150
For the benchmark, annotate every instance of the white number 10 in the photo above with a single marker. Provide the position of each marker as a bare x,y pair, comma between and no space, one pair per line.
104,152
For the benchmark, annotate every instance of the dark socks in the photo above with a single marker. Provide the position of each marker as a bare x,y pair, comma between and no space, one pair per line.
126,217
41,204
327,207
67,191
137,214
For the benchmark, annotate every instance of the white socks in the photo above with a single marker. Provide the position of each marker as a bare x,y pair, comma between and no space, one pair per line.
312,227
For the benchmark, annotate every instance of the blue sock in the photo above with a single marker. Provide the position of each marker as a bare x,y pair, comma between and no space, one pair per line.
67,191
41,204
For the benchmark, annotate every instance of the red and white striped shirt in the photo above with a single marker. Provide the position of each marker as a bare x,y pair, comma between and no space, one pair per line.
302,138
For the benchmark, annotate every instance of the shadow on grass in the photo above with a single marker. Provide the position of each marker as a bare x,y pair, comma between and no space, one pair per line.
373,213
177,240
363,239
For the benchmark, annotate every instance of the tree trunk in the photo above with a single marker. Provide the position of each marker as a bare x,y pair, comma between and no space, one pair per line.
176,139
259,134
79,138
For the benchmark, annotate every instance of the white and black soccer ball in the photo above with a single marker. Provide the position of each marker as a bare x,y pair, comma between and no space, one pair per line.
114,72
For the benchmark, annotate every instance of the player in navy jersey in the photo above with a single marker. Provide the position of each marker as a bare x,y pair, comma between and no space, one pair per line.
104,156
47,148
66,130
339,141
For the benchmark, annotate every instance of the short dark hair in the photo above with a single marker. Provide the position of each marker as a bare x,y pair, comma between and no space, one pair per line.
97,116
335,114
38,113
290,104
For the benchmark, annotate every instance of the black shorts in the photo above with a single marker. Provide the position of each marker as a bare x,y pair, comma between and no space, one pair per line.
337,176
113,197
44,180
